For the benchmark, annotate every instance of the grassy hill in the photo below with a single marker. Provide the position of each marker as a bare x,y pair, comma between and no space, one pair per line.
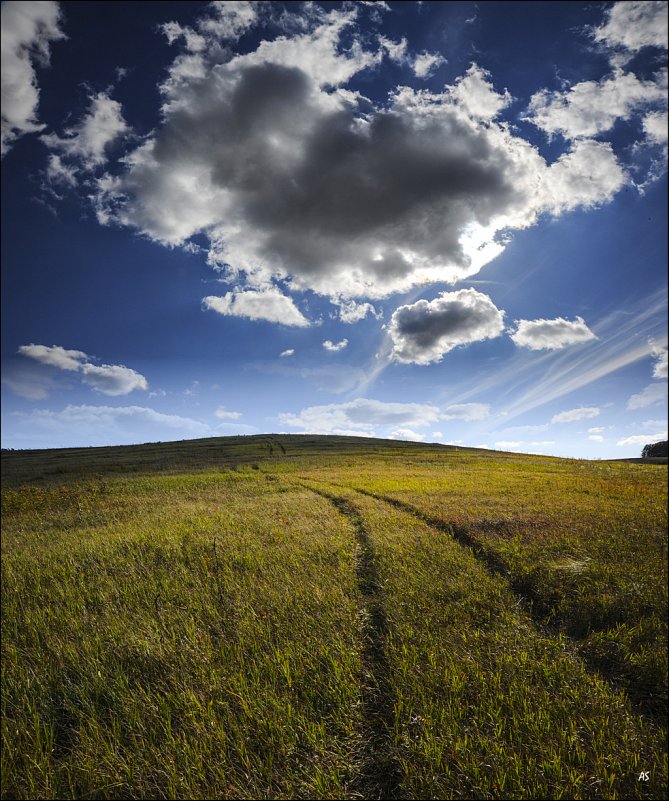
331,617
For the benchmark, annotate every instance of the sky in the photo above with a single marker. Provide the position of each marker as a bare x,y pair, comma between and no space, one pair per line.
441,222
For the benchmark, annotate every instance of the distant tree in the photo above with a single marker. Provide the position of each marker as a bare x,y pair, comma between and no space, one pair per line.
656,449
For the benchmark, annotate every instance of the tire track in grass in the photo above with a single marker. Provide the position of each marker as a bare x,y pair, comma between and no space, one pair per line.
532,604
378,774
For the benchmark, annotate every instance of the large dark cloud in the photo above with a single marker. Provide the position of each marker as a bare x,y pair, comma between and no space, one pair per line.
290,174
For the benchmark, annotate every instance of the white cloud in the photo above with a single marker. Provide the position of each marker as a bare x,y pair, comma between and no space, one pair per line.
289,352
570,416
59,173
642,439
596,437
406,434
633,25
335,346
596,430
655,125
588,175
87,142
113,379
466,411
437,434
361,416
262,304
593,107
230,19
652,394
519,445
109,379
55,356
350,311
28,27
222,414
396,51
317,52
424,64
551,334
475,93
423,332
660,366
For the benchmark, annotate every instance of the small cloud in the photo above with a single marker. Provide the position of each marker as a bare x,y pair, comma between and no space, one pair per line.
437,434
222,414
258,304
406,434
426,63
86,143
660,366
652,394
596,430
286,353
335,346
508,445
551,334
113,379
109,379
396,51
582,413
350,311
596,437
423,332
55,356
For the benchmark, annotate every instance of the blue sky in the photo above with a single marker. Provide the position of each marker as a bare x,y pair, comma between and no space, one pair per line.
435,221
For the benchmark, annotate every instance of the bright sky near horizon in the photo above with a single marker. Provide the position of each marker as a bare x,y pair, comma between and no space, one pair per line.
443,221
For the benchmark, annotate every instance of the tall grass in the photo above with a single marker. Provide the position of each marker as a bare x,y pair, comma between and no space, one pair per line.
184,638
313,617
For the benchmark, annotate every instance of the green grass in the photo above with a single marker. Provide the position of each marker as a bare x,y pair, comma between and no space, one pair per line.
285,616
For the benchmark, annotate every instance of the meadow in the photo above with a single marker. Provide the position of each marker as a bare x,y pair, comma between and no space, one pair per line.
332,617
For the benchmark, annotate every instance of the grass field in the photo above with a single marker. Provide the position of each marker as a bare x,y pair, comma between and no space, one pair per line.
331,617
